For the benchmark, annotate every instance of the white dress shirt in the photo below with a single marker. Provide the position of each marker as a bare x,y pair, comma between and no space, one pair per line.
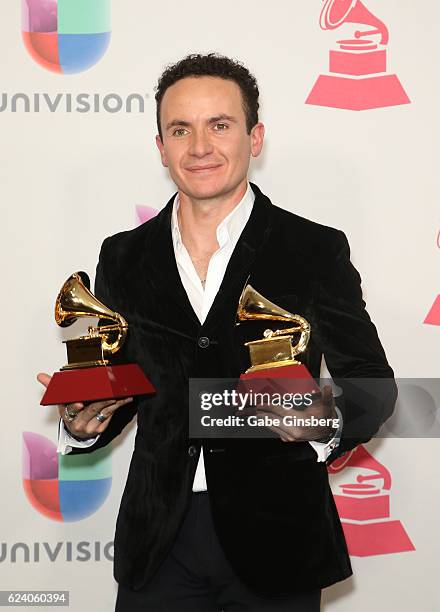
228,232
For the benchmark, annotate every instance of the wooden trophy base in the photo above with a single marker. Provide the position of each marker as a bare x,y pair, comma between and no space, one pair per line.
98,383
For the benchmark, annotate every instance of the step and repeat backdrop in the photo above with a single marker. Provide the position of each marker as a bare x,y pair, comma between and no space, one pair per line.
349,97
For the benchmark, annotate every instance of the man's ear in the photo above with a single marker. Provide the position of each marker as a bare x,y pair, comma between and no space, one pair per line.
257,139
161,148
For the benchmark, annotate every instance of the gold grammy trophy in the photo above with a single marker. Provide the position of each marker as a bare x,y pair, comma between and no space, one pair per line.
88,374
274,355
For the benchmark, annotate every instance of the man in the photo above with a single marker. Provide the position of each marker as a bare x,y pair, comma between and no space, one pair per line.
267,535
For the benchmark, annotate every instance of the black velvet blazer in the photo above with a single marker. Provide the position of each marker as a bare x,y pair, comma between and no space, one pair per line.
270,500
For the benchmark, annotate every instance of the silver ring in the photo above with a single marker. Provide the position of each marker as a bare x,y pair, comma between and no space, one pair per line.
101,417
69,415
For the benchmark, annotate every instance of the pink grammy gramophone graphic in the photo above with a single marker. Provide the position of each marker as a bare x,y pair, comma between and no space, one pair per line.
358,78
364,506
433,316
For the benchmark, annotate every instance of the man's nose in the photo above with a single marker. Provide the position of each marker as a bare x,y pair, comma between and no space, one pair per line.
201,144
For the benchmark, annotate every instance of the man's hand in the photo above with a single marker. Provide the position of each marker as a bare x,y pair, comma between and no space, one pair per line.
323,407
85,423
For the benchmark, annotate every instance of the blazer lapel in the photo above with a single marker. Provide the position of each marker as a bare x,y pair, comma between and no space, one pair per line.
252,240
167,277
166,273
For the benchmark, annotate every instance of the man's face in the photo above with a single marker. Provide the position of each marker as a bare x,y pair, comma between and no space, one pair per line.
205,144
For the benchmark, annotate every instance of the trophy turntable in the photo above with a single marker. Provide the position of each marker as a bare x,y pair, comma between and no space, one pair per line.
88,374
358,78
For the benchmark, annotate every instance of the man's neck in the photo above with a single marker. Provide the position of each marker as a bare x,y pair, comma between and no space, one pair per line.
198,219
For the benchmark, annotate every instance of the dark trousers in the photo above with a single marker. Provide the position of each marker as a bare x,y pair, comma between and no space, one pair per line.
196,577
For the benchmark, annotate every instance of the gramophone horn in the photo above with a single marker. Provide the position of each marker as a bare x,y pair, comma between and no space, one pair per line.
76,300
252,305
337,12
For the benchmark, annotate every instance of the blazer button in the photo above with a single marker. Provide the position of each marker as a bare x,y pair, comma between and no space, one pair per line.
203,342
192,450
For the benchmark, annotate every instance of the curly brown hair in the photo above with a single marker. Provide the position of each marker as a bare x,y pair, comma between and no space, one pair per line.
212,64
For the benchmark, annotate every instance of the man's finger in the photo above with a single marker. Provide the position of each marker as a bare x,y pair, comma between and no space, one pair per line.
96,426
87,424
286,437
75,407
292,432
91,410
44,378
106,407
327,394
108,411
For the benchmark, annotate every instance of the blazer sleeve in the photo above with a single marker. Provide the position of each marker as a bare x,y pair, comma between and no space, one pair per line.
353,352
125,414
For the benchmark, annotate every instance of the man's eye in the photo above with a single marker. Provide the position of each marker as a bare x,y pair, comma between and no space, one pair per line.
180,132
221,127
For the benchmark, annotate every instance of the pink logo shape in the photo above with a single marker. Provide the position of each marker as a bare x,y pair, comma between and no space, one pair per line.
433,316
144,214
358,78
364,507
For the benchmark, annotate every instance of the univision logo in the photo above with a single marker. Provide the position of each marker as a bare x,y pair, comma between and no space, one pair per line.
66,36
64,488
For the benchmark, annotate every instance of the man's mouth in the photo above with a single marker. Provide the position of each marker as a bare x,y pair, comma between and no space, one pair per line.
203,168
